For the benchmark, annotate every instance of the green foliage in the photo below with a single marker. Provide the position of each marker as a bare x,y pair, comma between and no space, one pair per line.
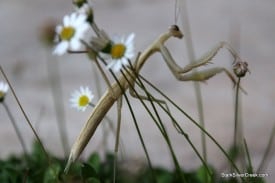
37,167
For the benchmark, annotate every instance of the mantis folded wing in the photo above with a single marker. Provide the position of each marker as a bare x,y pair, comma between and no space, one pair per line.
117,89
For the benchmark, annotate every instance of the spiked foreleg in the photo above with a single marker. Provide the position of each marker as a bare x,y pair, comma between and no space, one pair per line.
205,74
180,73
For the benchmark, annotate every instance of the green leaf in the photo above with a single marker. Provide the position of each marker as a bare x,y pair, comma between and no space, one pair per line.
203,174
52,174
94,161
87,171
234,152
163,176
38,154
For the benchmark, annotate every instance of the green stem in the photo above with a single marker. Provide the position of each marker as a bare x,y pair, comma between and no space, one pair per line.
99,92
236,113
141,138
194,122
119,106
25,115
250,167
137,128
17,131
191,55
158,122
57,94
267,151
175,123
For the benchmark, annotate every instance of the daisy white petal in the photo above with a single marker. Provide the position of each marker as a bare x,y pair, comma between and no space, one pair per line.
130,39
80,99
75,44
71,33
122,50
61,48
66,20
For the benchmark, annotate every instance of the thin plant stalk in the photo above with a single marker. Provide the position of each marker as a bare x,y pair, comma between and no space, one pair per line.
141,138
138,129
166,110
99,92
267,151
17,131
119,106
25,115
57,94
236,114
194,122
164,133
177,126
250,167
191,55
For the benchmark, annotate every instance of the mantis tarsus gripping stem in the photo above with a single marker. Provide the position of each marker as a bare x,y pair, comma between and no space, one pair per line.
129,78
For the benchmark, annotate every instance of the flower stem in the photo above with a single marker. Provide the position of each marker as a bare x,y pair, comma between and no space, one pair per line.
160,126
25,116
191,55
268,149
195,123
57,94
17,131
138,129
236,113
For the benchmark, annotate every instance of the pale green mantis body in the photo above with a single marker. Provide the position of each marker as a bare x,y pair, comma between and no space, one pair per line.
127,79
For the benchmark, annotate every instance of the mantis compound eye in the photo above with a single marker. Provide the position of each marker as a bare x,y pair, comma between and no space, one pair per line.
175,31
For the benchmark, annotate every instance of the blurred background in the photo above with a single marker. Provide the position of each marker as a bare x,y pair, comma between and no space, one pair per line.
247,25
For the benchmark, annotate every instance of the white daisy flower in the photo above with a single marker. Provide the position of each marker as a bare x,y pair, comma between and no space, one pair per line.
4,87
80,3
121,51
71,33
80,99
85,9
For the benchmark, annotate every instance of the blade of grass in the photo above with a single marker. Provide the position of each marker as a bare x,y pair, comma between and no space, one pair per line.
193,121
57,94
25,115
138,129
119,107
17,131
162,129
191,55
264,161
250,167
175,123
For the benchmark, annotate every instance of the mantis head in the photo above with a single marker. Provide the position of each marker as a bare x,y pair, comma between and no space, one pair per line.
175,31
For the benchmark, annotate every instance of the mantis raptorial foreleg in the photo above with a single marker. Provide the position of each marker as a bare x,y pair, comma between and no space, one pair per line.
129,77
203,75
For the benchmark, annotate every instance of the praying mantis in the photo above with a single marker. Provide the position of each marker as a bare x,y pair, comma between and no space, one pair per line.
127,79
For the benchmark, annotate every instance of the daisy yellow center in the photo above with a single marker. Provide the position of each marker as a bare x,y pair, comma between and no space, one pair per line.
67,33
83,101
118,51
2,94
